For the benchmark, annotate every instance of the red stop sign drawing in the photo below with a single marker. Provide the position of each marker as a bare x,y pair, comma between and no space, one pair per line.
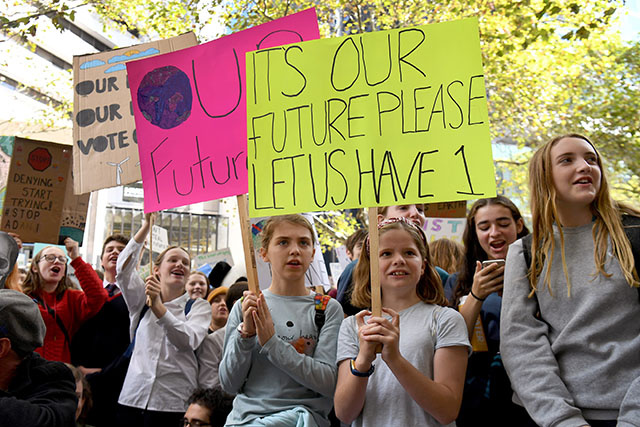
40,159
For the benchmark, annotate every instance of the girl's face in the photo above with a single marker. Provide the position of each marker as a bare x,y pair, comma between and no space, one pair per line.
413,212
575,171
51,271
219,311
401,264
496,230
290,251
174,268
196,286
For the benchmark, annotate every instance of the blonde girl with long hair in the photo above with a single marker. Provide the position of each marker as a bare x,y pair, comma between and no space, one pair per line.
419,376
570,330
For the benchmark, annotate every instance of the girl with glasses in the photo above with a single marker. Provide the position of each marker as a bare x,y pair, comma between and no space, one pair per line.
63,308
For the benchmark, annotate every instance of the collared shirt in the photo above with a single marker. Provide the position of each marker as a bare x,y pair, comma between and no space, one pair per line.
163,370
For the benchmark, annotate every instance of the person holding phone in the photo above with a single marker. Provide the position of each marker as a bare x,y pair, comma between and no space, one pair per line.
492,225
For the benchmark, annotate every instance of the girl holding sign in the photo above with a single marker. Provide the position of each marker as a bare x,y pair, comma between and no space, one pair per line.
163,370
570,331
419,376
492,226
280,346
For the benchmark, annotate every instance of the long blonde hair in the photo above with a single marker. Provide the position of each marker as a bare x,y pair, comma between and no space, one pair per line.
607,213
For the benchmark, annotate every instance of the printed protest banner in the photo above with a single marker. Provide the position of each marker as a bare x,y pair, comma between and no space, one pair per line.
190,113
373,119
445,228
36,188
105,152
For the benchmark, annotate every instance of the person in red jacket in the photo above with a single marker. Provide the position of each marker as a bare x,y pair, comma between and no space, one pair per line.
63,308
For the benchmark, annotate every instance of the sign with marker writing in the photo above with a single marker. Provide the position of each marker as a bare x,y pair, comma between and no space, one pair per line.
38,177
105,152
160,238
190,114
445,228
375,119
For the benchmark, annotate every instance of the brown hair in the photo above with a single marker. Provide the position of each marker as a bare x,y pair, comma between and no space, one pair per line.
206,278
608,223
447,254
429,288
472,250
114,237
13,279
33,282
356,238
382,210
274,221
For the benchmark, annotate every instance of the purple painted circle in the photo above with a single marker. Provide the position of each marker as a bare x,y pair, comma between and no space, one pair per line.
164,97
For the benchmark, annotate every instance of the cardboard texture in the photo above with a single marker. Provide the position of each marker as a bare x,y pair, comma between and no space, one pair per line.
190,113
374,119
446,209
74,213
105,151
36,188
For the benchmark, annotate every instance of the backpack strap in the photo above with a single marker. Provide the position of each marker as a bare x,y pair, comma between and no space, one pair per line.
631,225
526,249
57,319
320,302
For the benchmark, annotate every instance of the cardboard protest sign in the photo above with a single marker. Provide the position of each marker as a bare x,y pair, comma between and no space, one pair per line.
446,209
36,187
445,228
6,148
212,258
105,152
316,275
374,119
190,113
160,238
74,213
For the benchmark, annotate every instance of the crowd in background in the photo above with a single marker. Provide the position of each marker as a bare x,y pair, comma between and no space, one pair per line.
517,325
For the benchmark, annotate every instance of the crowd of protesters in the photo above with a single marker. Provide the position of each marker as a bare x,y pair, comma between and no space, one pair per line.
522,326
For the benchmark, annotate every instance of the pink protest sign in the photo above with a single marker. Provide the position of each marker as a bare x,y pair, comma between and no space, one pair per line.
190,113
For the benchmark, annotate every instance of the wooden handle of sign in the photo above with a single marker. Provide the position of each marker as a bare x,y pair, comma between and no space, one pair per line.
319,289
247,244
150,253
374,267
376,300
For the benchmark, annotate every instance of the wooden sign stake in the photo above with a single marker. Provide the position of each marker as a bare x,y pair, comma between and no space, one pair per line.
376,300
150,253
247,244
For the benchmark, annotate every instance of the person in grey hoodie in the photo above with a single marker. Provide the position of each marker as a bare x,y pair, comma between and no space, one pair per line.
570,330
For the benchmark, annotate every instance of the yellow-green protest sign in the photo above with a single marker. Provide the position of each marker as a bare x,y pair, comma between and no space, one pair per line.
374,119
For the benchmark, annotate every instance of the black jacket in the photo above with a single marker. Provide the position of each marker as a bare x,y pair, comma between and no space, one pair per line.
42,394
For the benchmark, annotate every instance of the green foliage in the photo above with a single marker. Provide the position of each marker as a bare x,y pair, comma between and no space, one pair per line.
334,228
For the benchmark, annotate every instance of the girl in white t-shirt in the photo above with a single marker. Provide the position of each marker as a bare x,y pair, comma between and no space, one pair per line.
419,375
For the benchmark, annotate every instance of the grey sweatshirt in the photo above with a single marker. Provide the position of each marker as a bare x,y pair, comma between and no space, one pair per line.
295,368
581,359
